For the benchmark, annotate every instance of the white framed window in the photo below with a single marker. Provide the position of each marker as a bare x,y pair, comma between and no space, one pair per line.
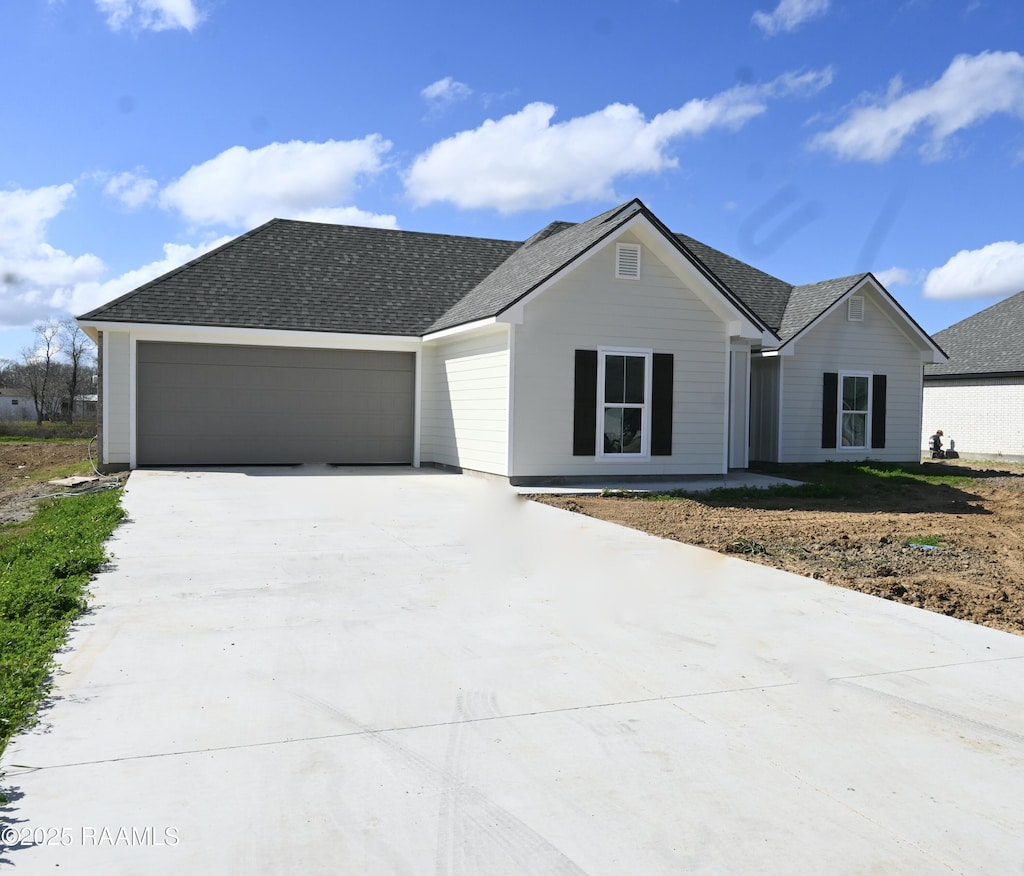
854,411
627,261
624,403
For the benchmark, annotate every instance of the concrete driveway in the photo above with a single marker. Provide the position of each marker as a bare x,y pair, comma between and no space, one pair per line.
384,671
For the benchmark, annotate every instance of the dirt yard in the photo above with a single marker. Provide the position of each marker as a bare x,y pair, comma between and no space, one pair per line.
970,565
26,466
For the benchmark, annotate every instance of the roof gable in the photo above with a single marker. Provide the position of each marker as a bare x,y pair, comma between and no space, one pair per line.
535,262
989,342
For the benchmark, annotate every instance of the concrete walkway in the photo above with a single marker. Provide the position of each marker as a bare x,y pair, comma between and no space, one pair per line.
386,671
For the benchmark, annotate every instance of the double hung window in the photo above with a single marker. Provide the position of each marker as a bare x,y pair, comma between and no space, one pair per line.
624,380
856,408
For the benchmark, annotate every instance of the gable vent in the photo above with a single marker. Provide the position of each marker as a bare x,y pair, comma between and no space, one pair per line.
855,309
627,261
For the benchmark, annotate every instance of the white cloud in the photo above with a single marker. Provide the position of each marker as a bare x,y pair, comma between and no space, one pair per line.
970,90
789,15
150,14
24,214
894,277
993,271
82,297
445,91
524,161
32,272
131,188
243,187
347,216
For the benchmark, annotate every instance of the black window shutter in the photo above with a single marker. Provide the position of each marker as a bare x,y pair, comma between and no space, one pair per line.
829,409
661,404
584,409
878,411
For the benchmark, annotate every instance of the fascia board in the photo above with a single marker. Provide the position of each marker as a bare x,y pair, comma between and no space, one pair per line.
466,328
257,337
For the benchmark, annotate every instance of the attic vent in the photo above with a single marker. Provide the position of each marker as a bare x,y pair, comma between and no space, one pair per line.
855,309
627,261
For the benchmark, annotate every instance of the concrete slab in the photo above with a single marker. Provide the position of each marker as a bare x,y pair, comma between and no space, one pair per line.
689,484
388,671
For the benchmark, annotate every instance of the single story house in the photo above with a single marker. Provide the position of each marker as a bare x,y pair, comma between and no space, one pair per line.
977,398
610,347
16,404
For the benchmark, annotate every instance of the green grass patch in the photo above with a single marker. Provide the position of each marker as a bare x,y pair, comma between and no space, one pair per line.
844,483
914,474
46,564
27,430
926,540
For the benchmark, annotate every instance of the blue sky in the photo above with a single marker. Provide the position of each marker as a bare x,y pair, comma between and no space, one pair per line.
810,138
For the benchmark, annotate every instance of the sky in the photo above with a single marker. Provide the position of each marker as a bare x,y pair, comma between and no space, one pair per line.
810,138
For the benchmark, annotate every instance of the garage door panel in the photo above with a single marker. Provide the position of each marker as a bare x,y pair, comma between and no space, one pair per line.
202,404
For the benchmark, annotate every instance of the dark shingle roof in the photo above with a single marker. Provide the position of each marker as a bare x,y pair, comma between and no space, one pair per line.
807,302
308,276
786,309
764,294
990,342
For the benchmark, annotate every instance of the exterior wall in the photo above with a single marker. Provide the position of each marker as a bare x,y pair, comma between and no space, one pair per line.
116,394
465,402
876,346
984,416
16,407
589,309
764,409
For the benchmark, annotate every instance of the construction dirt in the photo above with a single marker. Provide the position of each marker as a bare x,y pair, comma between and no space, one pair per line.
954,550
26,466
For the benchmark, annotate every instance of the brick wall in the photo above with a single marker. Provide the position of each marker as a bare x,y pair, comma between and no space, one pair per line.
985,417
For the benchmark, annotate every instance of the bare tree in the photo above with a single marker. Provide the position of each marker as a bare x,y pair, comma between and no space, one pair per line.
38,367
78,349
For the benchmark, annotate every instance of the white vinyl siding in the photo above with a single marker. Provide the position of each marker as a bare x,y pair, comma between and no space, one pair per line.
465,402
983,416
116,397
874,346
589,309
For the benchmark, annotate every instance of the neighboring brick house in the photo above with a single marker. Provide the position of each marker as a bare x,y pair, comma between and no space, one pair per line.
977,397
605,348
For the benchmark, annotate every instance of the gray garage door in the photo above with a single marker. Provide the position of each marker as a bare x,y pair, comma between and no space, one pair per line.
204,404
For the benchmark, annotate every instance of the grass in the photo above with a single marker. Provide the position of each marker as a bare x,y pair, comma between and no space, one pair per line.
27,430
46,564
831,480
82,467
926,540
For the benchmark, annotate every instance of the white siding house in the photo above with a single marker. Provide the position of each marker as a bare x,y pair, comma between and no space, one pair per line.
610,348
